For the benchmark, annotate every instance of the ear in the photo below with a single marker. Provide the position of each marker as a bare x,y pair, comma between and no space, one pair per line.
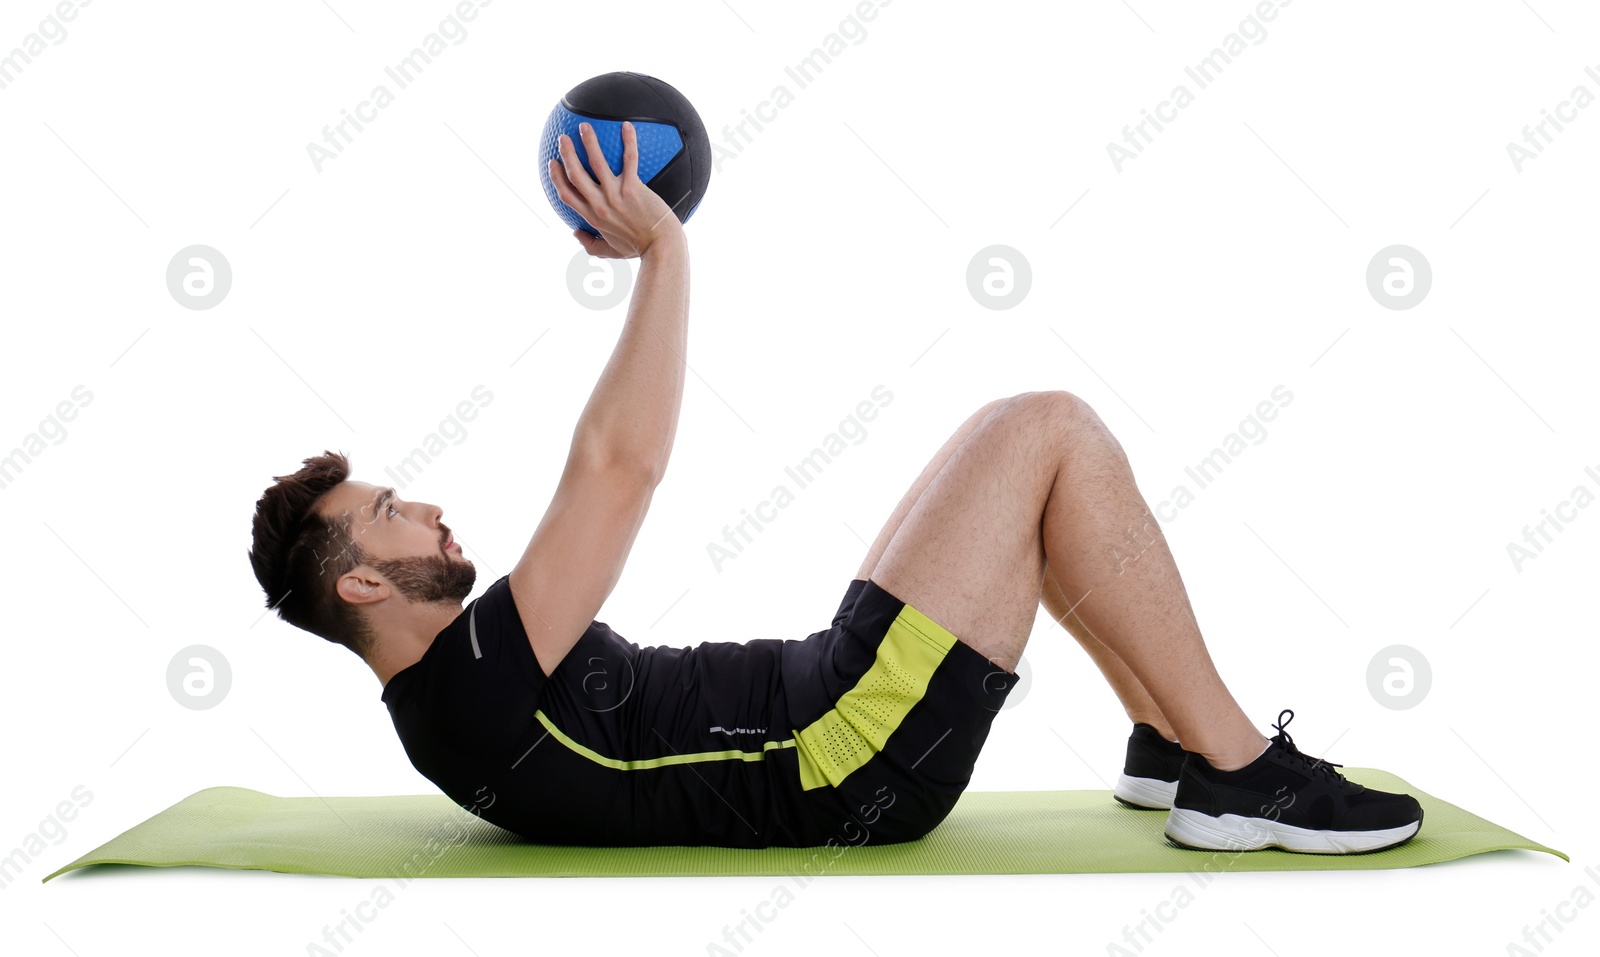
361,586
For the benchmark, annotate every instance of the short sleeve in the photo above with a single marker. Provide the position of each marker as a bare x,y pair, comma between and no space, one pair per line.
495,633
479,684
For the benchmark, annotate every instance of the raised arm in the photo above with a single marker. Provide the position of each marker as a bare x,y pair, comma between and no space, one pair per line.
624,435
632,415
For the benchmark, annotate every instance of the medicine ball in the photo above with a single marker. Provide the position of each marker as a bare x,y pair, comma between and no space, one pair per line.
674,151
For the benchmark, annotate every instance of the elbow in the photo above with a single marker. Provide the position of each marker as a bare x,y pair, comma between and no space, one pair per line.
645,470
650,472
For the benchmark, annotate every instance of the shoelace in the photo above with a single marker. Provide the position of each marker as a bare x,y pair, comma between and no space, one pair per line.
1317,766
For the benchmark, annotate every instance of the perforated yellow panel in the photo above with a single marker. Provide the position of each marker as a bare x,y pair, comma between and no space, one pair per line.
860,723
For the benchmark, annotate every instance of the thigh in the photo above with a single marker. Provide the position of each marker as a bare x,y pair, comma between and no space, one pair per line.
970,553
907,501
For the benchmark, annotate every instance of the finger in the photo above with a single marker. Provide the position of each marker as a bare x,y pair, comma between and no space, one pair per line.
630,151
581,183
565,190
597,156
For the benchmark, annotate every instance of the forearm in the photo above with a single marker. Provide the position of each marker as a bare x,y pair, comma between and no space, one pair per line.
632,415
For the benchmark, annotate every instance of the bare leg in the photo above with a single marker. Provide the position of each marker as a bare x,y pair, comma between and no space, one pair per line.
1138,704
1040,478
875,552
1135,700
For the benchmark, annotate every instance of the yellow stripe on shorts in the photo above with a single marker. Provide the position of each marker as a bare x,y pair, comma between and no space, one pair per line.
845,738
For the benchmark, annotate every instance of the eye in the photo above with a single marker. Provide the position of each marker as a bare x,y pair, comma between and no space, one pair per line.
391,508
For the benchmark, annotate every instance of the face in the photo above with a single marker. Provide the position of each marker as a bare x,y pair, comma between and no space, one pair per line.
404,543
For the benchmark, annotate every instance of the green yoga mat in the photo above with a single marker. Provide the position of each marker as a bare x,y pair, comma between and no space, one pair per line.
989,832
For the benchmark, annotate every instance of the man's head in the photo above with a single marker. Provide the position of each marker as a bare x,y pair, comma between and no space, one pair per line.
332,553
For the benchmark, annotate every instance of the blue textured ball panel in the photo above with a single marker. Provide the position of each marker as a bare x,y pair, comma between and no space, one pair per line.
658,144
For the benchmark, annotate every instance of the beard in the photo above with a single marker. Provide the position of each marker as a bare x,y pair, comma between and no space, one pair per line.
430,579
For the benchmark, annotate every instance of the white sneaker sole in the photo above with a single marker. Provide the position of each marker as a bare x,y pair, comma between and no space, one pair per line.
1151,793
1234,832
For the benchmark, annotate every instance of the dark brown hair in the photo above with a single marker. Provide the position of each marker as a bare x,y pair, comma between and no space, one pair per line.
298,555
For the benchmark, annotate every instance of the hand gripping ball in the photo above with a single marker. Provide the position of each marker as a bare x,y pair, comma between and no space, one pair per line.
674,151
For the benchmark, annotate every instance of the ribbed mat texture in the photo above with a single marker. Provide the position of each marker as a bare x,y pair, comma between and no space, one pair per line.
989,832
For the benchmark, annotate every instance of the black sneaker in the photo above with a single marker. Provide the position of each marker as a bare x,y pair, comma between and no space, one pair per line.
1286,799
1150,772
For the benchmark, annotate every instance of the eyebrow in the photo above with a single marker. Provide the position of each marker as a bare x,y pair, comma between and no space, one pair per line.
382,498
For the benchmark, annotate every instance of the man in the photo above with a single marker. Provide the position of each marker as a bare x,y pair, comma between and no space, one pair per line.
526,710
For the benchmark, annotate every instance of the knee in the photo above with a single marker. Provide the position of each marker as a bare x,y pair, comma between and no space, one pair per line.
988,407
1060,413
1056,404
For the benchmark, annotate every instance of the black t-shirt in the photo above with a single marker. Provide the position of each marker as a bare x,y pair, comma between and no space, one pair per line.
470,697
590,754
623,745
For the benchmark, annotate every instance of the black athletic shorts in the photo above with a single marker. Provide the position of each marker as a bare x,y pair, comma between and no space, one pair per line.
866,732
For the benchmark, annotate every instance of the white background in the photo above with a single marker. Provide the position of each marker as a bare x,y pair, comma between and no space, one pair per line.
829,255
